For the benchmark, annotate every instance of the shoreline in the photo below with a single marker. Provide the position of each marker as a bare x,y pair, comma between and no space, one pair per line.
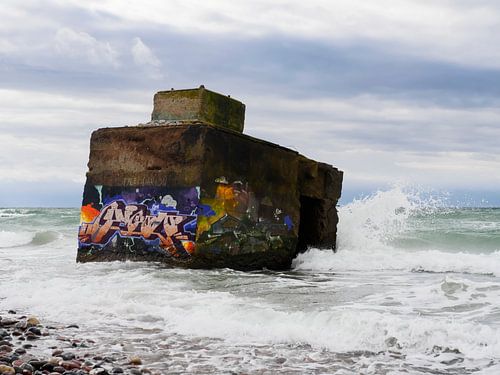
29,347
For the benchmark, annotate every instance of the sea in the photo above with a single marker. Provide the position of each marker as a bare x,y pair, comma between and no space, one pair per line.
414,288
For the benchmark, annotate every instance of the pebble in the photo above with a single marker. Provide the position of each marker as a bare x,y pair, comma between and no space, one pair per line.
67,356
135,360
5,348
59,369
54,361
35,330
27,367
17,363
7,370
30,336
21,324
32,321
37,364
70,365
8,322
98,371
48,366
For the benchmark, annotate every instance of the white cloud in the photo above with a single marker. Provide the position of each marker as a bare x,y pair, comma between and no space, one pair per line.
6,47
458,32
143,55
78,45
379,141
46,136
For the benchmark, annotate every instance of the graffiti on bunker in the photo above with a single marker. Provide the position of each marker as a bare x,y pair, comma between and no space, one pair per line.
239,220
148,218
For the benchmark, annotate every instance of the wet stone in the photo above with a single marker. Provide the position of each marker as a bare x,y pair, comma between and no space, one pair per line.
27,367
68,356
48,367
98,371
69,365
35,331
37,364
8,322
7,370
54,361
5,348
59,369
135,360
21,325
32,321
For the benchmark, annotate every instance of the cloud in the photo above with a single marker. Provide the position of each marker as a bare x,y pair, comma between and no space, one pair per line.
450,31
387,91
6,47
78,45
143,55
145,59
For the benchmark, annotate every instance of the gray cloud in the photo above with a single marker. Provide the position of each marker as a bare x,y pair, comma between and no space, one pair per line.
380,105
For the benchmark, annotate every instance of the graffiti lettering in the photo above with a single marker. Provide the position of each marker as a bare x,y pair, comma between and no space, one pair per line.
135,220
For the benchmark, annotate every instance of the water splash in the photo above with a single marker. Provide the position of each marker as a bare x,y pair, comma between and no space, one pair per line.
373,221
408,229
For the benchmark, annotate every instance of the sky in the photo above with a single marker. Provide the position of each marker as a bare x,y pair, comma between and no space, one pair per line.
392,92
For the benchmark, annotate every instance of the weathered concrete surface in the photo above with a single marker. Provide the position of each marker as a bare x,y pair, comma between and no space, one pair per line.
190,194
199,105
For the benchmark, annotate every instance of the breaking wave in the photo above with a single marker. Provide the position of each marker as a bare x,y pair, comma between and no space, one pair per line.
9,239
399,230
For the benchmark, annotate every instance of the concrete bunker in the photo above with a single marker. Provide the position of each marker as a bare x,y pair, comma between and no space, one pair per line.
188,189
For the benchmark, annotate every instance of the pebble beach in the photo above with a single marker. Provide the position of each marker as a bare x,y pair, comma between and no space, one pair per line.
28,346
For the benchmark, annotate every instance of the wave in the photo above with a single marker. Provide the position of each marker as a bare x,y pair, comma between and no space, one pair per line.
17,212
10,239
132,301
376,220
403,260
399,229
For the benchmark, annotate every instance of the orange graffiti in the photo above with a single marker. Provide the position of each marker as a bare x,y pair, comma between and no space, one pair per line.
189,246
88,213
